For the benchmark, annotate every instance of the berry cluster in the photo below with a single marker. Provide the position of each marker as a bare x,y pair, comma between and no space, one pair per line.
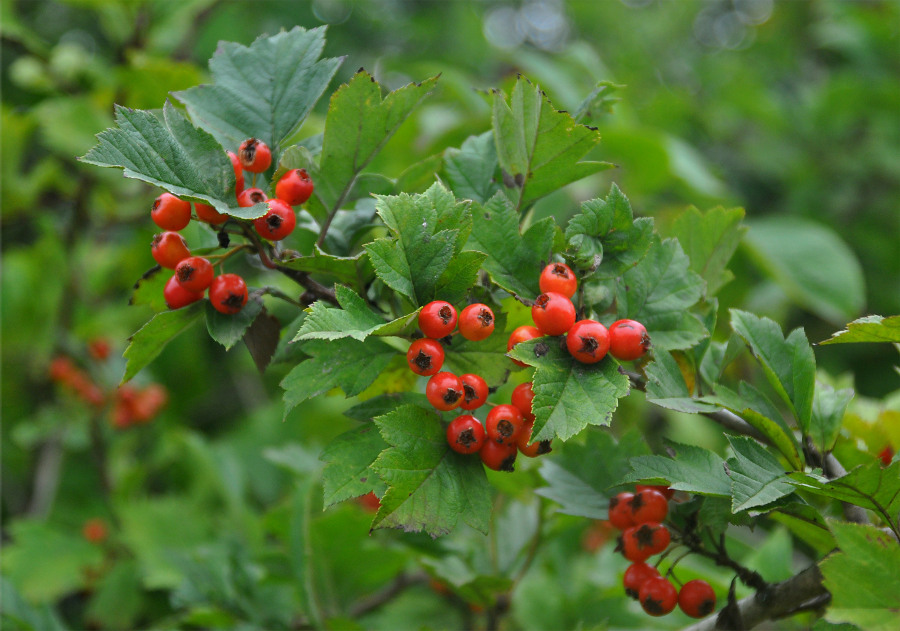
639,516
194,275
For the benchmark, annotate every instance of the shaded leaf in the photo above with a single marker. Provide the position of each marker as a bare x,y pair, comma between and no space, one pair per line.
346,269
691,469
151,339
261,339
229,328
470,169
349,457
384,403
666,386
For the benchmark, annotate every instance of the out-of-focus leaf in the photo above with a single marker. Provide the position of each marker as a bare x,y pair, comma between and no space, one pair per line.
710,239
20,615
828,410
350,457
870,486
868,329
118,597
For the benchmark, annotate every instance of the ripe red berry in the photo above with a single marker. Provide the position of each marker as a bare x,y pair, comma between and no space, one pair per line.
210,215
425,357
278,223
522,397
658,596
628,340
294,187
587,341
194,273
170,213
504,423
95,530
476,322
499,457
465,434
370,502
437,319
648,505
99,348
697,599
620,514
886,455
526,447
475,391
558,278
444,391
238,173
635,576
255,155
251,196
645,540
662,488
228,293
553,313
521,334
177,296
168,249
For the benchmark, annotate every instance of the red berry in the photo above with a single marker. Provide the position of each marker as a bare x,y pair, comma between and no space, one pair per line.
521,334
194,273
228,293
645,540
558,278
277,223
697,599
504,423
886,455
475,391
648,505
147,403
465,434
168,249
437,319
95,530
99,348
522,397
444,391
662,488
251,196
532,450
587,341
177,296
238,173
635,576
476,322
658,596
170,213
255,155
620,514
497,456
628,340
294,187
370,502
425,357
210,215
553,313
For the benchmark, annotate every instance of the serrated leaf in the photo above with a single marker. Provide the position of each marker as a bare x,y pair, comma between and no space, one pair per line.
709,240
828,410
514,260
345,269
353,319
569,395
348,470
470,169
666,386
265,90
430,486
538,147
460,276
658,292
870,486
757,479
228,329
600,101
692,469
868,329
151,339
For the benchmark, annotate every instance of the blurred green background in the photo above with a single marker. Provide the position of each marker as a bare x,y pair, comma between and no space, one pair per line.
787,109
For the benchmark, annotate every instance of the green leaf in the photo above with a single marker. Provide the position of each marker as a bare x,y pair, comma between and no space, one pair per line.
359,123
868,329
20,615
862,578
384,403
148,290
263,91
470,169
569,395
460,276
789,364
118,597
599,102
828,410
691,469
658,292
349,457
485,357
666,386
811,264
710,239
228,329
806,523
514,260
345,269
151,339
430,486
354,319
538,147
870,486
757,478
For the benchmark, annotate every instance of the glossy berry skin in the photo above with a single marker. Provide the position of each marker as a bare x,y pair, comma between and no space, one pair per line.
168,249
278,223
444,391
210,215
437,319
465,434
532,450
499,457
476,322
658,596
886,455
643,541
170,213
697,599
635,576
662,488
228,293
628,340
238,173
294,187
177,296
588,341
553,313
425,357
251,196
558,278
504,423
194,273
254,155
475,391
648,505
522,397
522,334
620,514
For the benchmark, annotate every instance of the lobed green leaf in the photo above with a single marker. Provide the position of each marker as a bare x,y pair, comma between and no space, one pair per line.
354,319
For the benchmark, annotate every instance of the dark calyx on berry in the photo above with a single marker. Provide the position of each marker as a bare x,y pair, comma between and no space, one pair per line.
274,221
445,314
233,301
469,393
589,345
486,317
248,150
422,361
451,396
184,272
467,438
560,270
505,428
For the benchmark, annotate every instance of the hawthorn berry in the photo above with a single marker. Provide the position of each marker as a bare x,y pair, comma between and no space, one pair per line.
587,341
228,293
208,214
476,322
648,505
170,213
294,187
553,313
662,488
277,223
194,273
635,576
425,357
628,340
444,391
504,423
499,456
527,448
886,455
99,348
558,278
177,296
95,530
620,514
370,502
465,434
521,334
522,397
696,598
658,596
644,540
249,197
254,155
437,319
475,391
238,173
168,249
